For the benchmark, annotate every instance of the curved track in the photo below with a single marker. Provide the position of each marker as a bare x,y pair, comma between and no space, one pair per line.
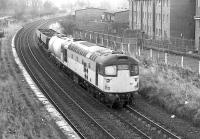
88,122
22,43
88,117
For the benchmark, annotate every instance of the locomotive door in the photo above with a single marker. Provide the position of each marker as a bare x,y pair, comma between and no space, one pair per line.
85,70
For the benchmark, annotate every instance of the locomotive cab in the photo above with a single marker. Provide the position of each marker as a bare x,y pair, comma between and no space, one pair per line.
120,77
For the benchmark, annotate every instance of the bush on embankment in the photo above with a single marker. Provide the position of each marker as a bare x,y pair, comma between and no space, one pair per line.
171,89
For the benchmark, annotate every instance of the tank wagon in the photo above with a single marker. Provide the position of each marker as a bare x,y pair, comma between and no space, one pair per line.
110,76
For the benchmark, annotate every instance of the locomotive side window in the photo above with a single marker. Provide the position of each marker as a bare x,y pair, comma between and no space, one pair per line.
134,70
100,70
65,55
111,70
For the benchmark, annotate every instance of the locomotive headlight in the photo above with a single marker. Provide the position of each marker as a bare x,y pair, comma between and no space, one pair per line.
107,87
111,70
107,80
137,85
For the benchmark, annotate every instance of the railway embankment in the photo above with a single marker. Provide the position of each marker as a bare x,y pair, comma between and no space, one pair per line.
22,115
174,89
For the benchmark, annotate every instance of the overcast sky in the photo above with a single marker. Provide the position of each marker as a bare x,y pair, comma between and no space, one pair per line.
96,3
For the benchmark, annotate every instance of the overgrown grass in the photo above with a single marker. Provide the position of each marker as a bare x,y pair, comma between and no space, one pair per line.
21,115
174,89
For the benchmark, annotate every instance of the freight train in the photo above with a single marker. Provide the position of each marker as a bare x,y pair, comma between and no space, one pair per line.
110,76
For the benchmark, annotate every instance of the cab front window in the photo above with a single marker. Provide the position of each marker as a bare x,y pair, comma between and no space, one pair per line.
134,70
122,67
111,71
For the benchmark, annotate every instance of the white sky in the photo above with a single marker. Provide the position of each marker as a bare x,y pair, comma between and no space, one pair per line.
95,3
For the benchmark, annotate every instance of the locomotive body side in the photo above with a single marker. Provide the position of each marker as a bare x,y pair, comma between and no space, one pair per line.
113,78
119,86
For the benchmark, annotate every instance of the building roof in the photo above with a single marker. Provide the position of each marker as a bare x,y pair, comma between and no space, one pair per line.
115,11
89,8
5,17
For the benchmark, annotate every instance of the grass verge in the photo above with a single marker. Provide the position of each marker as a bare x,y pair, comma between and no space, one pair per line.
174,89
21,114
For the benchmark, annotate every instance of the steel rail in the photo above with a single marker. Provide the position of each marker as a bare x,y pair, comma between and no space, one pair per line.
62,91
170,134
46,94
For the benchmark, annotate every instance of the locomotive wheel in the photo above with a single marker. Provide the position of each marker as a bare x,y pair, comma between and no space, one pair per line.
117,105
102,98
94,95
90,90
109,105
125,103
131,100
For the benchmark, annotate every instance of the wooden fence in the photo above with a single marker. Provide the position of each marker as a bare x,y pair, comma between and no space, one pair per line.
136,48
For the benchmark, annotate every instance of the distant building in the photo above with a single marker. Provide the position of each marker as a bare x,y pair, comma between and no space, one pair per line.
89,14
120,16
197,25
163,18
6,20
109,16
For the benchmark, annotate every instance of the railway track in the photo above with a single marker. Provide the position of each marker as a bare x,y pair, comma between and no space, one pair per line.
88,123
70,101
92,120
153,130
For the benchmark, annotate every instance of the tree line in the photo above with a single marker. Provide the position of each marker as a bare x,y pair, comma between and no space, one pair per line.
22,8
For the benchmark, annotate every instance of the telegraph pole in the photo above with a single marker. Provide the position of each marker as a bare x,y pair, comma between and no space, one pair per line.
132,16
161,27
154,19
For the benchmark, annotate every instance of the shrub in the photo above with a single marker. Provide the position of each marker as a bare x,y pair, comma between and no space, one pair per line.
68,25
169,88
196,118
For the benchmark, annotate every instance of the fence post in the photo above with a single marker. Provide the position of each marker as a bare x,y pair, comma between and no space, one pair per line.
80,35
85,35
115,45
182,61
166,58
122,47
107,43
90,37
97,40
139,51
151,54
199,67
129,48
102,41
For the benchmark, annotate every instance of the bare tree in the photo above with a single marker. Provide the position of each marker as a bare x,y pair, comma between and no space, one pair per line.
20,8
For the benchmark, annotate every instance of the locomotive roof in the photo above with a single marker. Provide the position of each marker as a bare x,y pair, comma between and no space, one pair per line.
99,54
88,49
114,59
